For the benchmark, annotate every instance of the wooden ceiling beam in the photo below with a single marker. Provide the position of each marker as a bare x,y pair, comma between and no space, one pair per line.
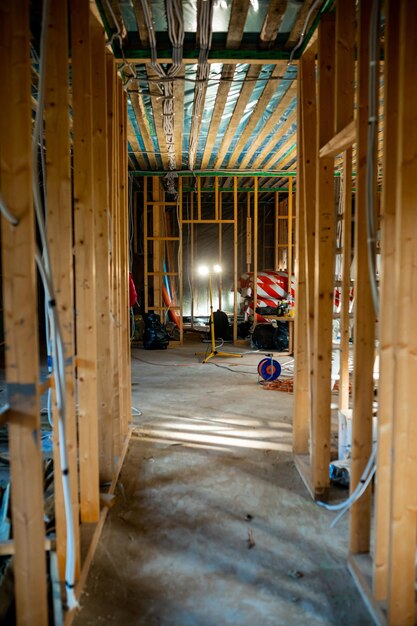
245,94
140,22
238,15
284,148
297,29
269,90
285,102
273,19
139,109
216,118
156,99
268,149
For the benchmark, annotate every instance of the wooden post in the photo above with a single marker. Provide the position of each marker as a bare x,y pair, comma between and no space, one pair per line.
276,231
199,198
126,373
20,316
145,245
308,136
255,248
191,261
388,321
248,236
235,243
345,286
218,214
101,215
402,551
301,367
157,245
181,269
112,117
59,233
344,97
324,264
289,248
364,320
85,283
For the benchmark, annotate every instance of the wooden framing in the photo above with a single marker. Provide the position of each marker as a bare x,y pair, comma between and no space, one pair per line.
60,228
386,575
98,373
20,298
85,283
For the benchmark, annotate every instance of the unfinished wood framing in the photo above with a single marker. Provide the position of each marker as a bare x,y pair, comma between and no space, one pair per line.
324,266
20,298
364,316
79,237
60,228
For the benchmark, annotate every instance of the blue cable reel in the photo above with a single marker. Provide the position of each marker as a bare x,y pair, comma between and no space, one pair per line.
269,369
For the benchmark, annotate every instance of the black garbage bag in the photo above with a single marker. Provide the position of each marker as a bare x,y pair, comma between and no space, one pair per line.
155,336
243,330
281,337
263,337
222,328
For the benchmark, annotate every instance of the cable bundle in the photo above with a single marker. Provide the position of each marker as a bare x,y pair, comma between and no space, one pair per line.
166,86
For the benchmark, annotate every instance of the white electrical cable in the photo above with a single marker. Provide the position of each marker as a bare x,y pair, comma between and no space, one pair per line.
370,161
6,212
303,32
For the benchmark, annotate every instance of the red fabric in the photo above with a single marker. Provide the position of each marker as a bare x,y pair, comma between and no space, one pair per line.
133,296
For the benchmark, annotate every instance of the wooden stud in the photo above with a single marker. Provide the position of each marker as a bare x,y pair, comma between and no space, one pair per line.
59,234
85,283
276,229
364,317
112,116
301,360
307,70
125,277
388,321
101,204
248,236
199,198
145,245
255,249
20,316
180,268
345,64
235,251
324,267
289,243
344,101
158,247
345,282
402,550
220,255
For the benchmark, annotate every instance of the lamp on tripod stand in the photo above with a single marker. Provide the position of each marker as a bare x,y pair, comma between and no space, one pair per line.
204,270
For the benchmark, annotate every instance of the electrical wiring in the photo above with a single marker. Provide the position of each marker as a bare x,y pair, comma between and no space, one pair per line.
12,219
56,340
370,161
303,32
164,81
370,468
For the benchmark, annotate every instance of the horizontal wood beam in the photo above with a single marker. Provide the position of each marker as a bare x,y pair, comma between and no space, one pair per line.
340,142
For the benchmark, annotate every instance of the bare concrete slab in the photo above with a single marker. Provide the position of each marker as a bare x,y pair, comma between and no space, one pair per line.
212,524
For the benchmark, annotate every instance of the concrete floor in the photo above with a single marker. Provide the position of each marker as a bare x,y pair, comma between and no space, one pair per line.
212,525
